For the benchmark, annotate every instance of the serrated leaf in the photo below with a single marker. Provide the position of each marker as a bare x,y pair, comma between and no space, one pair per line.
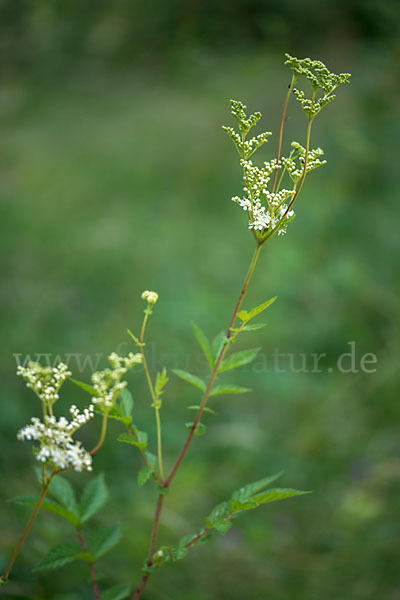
144,475
63,491
238,505
59,555
204,343
200,429
238,359
179,553
222,526
252,488
219,512
140,441
117,592
245,315
206,409
277,494
85,386
101,540
229,389
93,497
196,381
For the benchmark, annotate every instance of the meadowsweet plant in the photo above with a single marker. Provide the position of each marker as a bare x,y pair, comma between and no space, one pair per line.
267,199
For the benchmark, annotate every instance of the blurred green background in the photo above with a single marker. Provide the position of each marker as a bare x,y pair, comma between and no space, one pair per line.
115,178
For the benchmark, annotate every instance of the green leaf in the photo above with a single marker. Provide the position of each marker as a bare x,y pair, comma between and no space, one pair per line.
140,440
206,409
60,555
85,386
253,327
52,507
204,343
239,359
218,513
63,491
161,381
217,343
144,475
229,389
93,497
117,592
277,494
238,505
200,429
3,582
196,381
103,539
252,488
24,500
62,512
125,403
222,526
245,315
122,409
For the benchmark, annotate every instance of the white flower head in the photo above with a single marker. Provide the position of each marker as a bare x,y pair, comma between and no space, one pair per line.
57,446
44,381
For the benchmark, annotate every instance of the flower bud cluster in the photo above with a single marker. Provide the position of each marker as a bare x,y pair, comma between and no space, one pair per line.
320,78
108,384
295,169
151,297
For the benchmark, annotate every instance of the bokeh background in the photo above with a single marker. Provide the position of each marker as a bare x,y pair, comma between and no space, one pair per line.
115,178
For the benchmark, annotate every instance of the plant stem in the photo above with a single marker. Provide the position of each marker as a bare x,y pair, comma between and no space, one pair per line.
153,395
153,542
216,367
45,487
278,153
102,435
91,567
303,176
181,456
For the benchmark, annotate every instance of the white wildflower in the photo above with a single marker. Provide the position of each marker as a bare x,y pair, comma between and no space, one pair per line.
57,446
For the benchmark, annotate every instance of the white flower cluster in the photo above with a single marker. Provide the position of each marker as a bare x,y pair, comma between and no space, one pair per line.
108,384
55,437
151,297
266,209
44,381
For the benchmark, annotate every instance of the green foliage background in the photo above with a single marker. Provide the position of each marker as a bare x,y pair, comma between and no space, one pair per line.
115,178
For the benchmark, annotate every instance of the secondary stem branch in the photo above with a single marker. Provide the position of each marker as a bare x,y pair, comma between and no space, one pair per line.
28,527
181,456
